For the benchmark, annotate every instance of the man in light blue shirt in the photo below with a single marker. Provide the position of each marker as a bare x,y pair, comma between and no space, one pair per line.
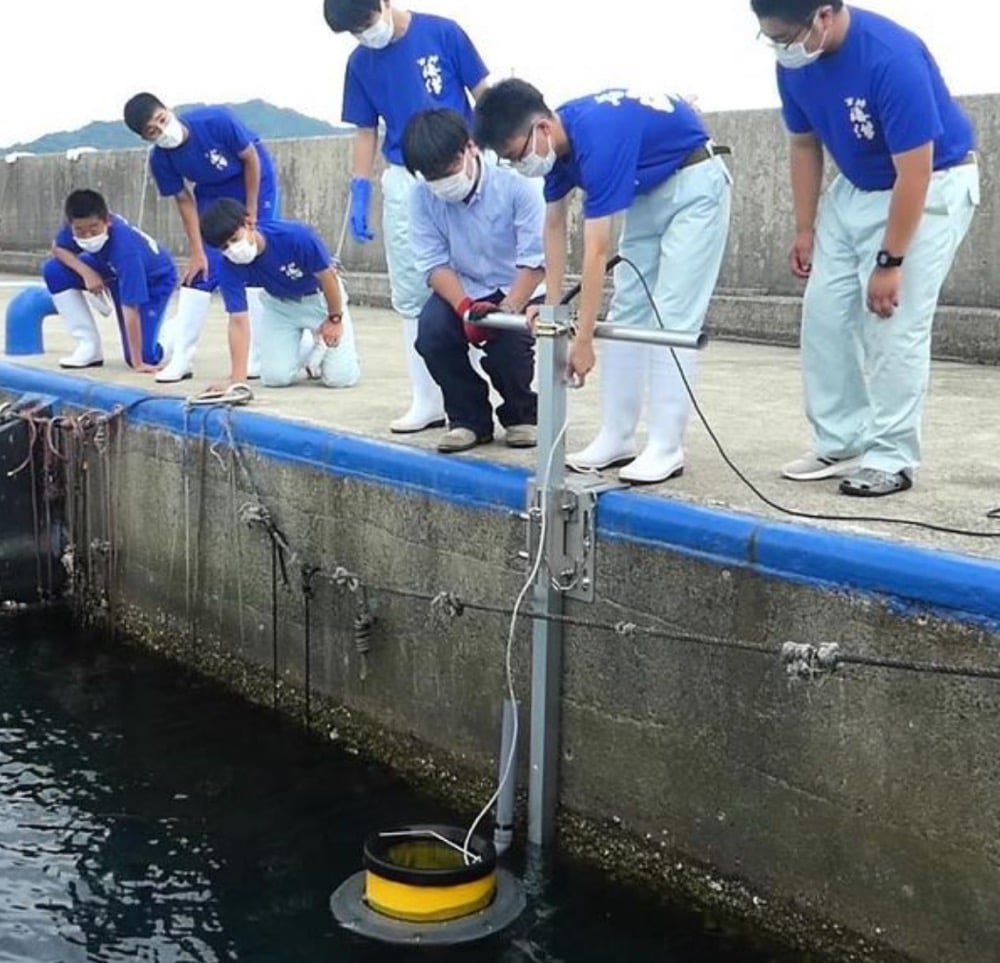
476,232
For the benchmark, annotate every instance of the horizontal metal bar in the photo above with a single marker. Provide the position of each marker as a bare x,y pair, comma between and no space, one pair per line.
607,331
660,336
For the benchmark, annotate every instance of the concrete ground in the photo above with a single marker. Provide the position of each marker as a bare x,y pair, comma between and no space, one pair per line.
750,394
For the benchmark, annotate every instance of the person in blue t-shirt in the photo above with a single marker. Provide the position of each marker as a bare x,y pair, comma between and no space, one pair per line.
651,157
476,231
301,295
127,271
211,149
404,63
878,248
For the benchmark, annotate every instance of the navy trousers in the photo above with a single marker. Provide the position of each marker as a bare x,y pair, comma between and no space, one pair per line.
509,363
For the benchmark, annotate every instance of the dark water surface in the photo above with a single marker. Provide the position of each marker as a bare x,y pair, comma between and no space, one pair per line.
145,814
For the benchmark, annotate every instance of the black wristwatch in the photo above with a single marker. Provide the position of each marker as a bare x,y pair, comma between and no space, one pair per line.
886,260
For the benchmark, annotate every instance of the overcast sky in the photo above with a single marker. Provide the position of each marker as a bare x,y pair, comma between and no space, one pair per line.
67,62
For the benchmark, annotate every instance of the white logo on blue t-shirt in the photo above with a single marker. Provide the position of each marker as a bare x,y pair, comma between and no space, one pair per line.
861,120
655,101
430,70
217,160
292,271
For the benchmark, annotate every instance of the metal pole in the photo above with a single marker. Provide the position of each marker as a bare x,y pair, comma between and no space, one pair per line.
546,636
552,333
503,832
605,331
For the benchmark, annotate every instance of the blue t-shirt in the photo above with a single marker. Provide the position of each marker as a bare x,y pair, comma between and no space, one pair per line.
209,159
879,94
622,144
132,260
433,65
287,267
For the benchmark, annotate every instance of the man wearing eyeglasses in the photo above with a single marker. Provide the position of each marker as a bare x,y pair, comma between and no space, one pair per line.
878,248
650,157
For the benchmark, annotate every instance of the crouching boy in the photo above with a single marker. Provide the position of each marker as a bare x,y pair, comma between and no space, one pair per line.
101,253
305,324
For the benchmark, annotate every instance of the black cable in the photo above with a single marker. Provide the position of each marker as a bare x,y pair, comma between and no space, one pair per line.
794,513
308,591
274,624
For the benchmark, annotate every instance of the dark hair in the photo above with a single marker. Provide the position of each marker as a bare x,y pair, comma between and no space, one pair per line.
86,203
432,140
506,110
794,11
139,109
350,16
221,220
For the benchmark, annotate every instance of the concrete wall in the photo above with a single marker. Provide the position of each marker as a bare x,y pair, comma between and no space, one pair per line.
858,814
314,176
867,803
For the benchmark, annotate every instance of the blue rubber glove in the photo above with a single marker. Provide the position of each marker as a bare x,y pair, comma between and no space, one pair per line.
361,198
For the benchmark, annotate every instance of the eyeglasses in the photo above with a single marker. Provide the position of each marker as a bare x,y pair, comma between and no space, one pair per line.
783,43
529,139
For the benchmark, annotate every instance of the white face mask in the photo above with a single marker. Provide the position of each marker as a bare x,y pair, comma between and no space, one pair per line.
378,35
241,251
534,165
795,56
455,187
172,134
91,244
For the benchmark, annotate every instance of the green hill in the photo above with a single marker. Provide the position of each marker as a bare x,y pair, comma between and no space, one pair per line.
267,120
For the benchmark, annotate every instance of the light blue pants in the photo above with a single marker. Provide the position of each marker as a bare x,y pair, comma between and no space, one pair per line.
865,378
281,334
676,236
407,284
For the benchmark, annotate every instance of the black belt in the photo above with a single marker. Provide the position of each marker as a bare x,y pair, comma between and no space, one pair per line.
703,153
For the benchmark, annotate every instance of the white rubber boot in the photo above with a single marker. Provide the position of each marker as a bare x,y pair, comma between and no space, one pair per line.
666,418
256,311
623,381
427,405
72,308
166,338
186,325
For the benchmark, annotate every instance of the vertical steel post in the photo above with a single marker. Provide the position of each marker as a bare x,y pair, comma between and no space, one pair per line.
546,638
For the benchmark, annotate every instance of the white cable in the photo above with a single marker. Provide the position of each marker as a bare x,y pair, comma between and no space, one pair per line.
529,581
421,833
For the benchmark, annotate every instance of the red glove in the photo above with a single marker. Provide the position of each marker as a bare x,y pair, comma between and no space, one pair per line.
470,311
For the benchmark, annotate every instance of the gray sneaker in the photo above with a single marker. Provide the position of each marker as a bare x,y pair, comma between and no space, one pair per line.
521,436
812,467
461,439
873,483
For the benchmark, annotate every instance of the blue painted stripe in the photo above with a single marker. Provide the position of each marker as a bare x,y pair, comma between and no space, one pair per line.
473,483
927,577
962,586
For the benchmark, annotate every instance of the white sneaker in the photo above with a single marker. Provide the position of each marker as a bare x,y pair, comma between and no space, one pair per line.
813,467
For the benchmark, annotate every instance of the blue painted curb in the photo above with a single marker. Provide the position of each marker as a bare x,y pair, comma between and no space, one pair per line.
961,586
922,577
